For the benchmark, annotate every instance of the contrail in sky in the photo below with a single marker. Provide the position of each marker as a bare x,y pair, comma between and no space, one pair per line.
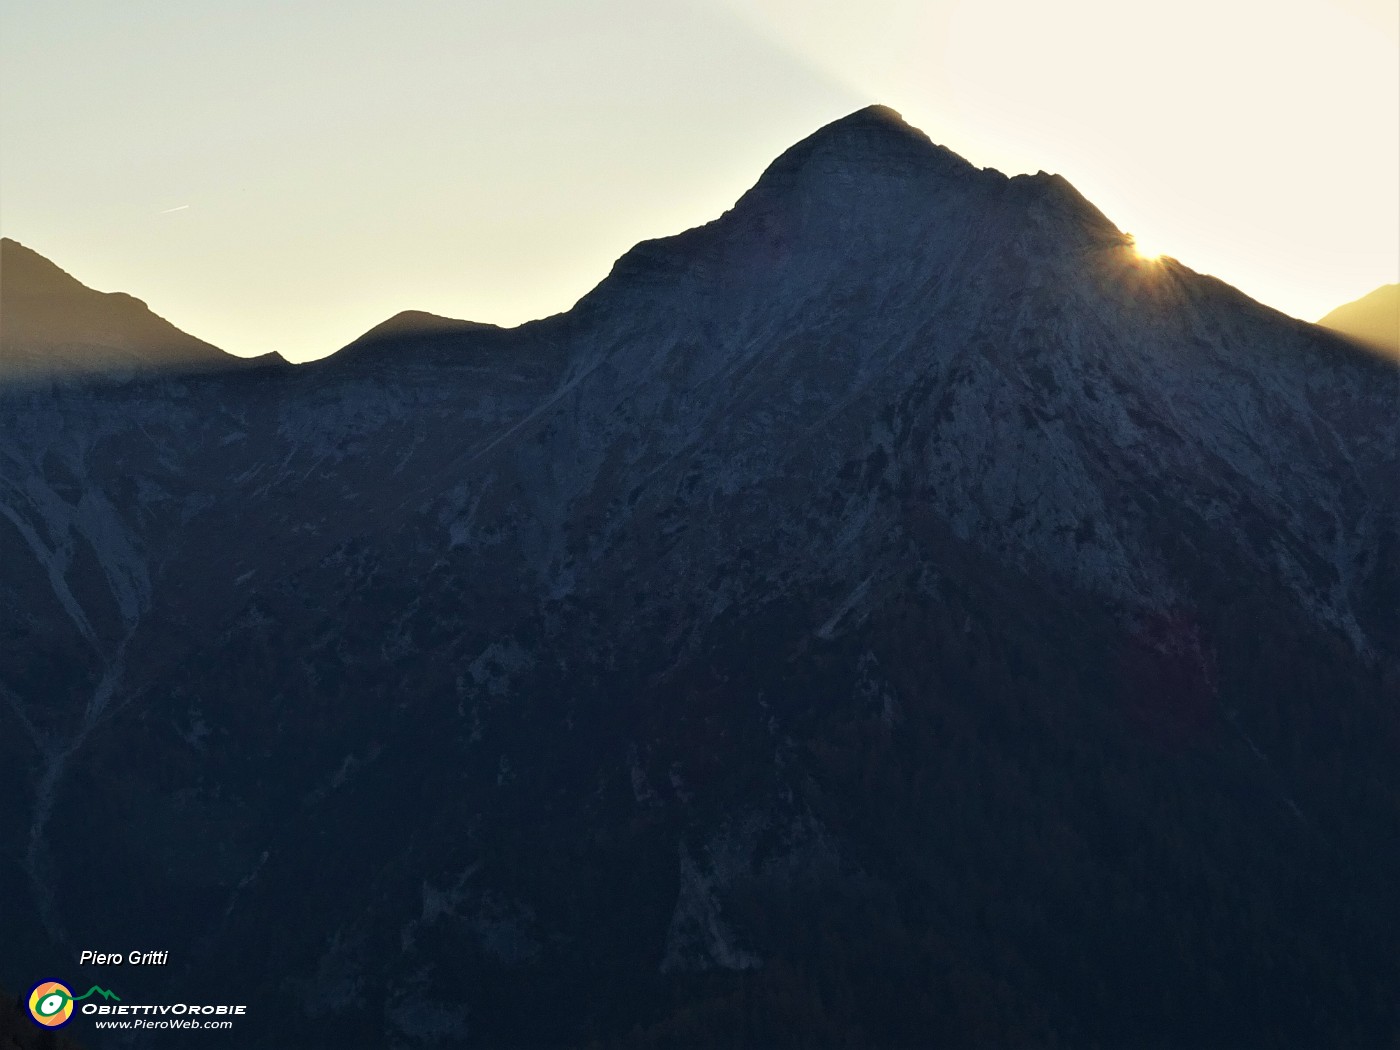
182,207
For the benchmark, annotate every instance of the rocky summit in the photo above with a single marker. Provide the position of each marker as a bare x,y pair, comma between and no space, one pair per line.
891,614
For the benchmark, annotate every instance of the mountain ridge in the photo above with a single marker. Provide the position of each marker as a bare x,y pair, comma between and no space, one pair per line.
52,326
854,145
1372,320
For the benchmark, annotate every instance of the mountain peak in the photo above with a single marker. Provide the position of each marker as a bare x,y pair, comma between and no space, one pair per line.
862,187
875,140
874,117
414,327
417,335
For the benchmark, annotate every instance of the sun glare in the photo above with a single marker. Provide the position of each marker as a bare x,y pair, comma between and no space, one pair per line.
1146,249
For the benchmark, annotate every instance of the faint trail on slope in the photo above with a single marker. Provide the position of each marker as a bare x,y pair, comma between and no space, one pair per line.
18,709
125,578
55,564
454,467
38,865
1232,717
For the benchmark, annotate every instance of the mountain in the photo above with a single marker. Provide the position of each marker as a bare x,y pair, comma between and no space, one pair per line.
1373,320
415,331
418,324
51,325
891,614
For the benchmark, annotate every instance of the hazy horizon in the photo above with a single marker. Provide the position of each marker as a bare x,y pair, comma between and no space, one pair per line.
272,178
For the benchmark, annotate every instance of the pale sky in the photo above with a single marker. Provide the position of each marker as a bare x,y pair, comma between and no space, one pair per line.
283,175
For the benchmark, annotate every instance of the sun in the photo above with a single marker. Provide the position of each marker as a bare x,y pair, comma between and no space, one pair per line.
1145,249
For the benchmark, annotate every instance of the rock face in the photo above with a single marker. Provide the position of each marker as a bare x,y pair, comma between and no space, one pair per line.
52,326
1373,320
890,614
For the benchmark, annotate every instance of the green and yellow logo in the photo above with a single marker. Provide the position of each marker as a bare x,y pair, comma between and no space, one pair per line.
51,1003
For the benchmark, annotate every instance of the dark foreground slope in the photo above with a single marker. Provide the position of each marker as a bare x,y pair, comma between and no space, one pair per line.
892,614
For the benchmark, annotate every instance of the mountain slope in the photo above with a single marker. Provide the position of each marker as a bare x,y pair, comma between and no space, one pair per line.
1373,320
890,614
52,325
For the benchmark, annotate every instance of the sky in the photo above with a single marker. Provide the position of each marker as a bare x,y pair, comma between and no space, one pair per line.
283,175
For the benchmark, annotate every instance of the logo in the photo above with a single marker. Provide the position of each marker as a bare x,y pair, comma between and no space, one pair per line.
51,1003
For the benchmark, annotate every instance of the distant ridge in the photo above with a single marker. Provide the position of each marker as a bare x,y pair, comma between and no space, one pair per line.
410,326
1373,320
52,325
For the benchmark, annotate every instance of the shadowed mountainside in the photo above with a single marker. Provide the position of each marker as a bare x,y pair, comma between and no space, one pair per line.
892,614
